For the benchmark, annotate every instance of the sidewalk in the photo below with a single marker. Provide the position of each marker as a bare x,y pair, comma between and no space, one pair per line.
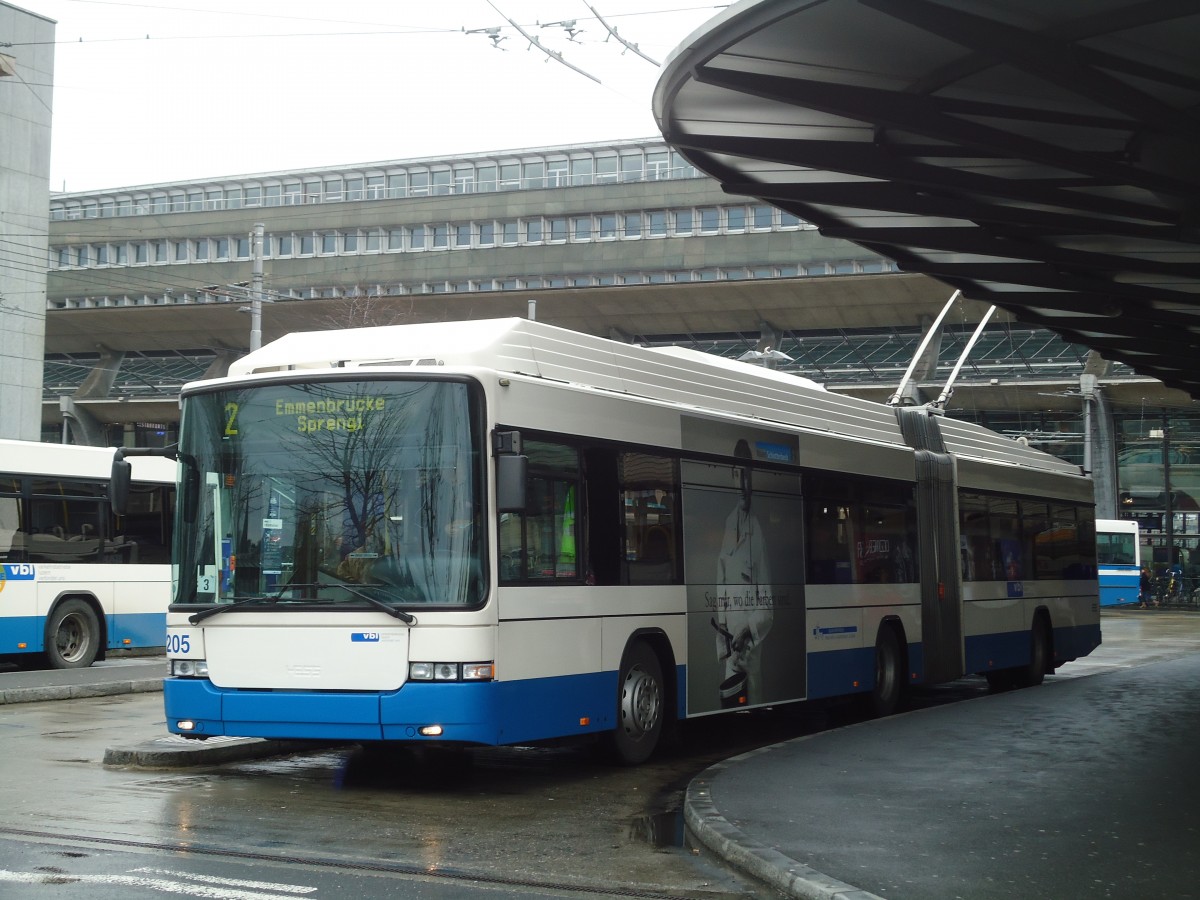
121,675
1084,787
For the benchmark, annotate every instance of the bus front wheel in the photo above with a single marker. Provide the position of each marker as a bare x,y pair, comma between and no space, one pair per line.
72,635
640,706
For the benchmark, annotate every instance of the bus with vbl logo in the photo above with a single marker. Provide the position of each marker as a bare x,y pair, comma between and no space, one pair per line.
503,532
79,581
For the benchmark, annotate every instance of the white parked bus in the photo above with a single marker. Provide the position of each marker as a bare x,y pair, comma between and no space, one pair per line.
77,580
502,532
1118,555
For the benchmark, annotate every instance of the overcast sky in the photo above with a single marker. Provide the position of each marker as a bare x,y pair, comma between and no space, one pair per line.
164,90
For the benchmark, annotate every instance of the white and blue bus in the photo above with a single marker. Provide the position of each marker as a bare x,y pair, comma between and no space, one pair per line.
78,581
1118,557
502,532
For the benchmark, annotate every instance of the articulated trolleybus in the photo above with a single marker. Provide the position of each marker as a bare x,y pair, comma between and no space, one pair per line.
502,532
77,581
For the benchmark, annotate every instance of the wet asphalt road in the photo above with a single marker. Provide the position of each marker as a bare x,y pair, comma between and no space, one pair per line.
517,822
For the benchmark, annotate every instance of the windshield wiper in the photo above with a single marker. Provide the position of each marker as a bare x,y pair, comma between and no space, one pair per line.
245,601
407,618
199,617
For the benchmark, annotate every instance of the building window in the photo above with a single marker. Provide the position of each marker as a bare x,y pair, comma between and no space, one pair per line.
333,189
535,174
441,182
274,194
242,248
308,244
64,256
82,257
354,188
581,228
397,184
608,226
140,252
441,237
181,251
329,242
487,234
658,223
735,218
418,183
581,171
376,187
764,216
558,228
464,179
710,220
462,235
632,226
557,173
486,180
509,232
374,240
350,242
222,248
285,245
200,250
395,239
788,220
416,237
510,176
533,230
683,221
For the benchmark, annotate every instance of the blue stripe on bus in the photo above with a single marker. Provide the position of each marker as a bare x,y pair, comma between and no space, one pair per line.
140,629
1006,650
1119,586
17,630
498,712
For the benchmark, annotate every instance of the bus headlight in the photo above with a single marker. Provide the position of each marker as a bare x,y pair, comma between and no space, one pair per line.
451,671
189,668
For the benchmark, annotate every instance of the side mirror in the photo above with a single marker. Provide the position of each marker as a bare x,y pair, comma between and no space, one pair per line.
118,484
512,473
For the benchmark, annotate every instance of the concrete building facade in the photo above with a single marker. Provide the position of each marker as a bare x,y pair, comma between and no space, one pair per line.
26,96
149,287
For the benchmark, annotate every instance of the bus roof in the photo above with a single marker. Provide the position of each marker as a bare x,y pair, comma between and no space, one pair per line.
74,461
700,381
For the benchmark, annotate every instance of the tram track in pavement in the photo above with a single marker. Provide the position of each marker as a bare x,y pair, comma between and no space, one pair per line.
359,865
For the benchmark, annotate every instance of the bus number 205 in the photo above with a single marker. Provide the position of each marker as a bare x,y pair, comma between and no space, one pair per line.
179,643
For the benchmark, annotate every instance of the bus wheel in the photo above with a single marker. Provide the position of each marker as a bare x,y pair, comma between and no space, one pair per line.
1039,656
639,706
72,635
889,673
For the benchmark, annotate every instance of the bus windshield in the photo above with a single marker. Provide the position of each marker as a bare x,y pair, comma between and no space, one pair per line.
334,492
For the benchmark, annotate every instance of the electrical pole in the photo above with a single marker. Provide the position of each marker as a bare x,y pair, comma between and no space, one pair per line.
256,286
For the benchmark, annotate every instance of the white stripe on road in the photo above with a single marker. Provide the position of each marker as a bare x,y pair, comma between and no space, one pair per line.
154,884
230,882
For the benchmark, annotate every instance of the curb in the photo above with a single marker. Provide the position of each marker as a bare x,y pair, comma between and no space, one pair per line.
175,752
77,691
766,864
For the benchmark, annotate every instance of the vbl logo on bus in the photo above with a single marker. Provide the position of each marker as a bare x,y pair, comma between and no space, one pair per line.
17,572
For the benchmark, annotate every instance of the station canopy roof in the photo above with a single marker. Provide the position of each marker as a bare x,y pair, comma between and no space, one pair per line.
1039,155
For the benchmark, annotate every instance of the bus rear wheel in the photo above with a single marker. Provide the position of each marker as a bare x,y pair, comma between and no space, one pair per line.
1034,673
640,707
888,691
72,635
